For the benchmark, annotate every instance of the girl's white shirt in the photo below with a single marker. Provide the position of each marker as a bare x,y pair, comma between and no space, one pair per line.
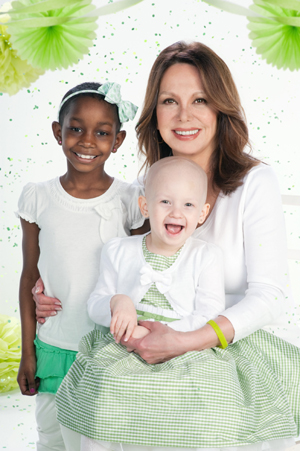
71,237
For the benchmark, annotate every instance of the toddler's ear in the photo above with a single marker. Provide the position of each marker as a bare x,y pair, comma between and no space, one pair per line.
204,213
56,128
143,206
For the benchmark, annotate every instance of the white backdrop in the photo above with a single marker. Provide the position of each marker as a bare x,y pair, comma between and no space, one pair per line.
126,46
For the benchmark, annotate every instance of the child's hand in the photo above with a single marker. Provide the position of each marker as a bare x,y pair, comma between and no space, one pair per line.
26,376
140,332
124,318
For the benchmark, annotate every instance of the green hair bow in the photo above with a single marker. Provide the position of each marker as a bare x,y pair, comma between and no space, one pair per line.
112,94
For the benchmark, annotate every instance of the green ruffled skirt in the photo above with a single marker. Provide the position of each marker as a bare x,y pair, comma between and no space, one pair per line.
52,365
241,395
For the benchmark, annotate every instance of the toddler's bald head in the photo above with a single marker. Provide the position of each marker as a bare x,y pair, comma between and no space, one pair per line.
175,169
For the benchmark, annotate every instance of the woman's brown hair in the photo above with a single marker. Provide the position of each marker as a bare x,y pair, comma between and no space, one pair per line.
229,163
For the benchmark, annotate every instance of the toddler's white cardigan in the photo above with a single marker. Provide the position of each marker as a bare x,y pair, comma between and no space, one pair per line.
194,283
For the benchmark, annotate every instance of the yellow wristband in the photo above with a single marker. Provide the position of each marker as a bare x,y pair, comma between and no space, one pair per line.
219,333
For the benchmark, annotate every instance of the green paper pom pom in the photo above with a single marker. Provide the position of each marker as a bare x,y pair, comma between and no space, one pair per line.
55,38
277,43
15,73
10,352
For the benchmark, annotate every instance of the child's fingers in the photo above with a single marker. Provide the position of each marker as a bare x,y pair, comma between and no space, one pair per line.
119,333
28,385
113,325
22,381
32,388
129,330
120,329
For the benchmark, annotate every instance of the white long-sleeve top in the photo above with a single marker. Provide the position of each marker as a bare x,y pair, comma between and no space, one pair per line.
248,225
193,285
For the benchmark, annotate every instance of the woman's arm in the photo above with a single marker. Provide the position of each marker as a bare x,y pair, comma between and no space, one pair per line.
141,230
163,343
30,273
265,255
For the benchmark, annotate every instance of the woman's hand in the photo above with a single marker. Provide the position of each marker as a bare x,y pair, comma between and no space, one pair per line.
26,376
163,343
45,305
140,332
160,344
123,317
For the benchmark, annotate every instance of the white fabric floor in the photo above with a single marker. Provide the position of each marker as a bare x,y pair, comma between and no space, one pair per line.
17,423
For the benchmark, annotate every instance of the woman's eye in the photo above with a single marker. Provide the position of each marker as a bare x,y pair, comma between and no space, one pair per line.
200,101
169,101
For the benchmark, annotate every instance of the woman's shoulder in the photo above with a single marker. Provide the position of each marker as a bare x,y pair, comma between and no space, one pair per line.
262,173
261,180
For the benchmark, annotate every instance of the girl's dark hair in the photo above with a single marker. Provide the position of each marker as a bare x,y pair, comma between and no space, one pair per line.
82,87
229,163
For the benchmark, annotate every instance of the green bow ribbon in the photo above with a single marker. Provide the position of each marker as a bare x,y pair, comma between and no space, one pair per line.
112,94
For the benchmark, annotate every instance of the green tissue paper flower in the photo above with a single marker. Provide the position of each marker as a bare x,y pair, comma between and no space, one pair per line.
51,34
278,43
10,352
15,73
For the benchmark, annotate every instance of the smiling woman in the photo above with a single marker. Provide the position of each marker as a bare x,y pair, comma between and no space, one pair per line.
187,121
197,86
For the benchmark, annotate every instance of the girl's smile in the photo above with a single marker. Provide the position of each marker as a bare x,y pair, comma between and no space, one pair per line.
89,134
85,157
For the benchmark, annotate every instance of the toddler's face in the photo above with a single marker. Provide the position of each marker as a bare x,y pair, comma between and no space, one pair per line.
175,205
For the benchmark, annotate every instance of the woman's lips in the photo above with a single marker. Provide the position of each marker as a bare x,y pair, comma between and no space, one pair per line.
186,135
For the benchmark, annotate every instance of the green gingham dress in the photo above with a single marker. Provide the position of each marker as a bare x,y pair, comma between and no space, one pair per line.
245,394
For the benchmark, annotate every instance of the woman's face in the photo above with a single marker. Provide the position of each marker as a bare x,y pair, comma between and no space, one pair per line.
187,123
